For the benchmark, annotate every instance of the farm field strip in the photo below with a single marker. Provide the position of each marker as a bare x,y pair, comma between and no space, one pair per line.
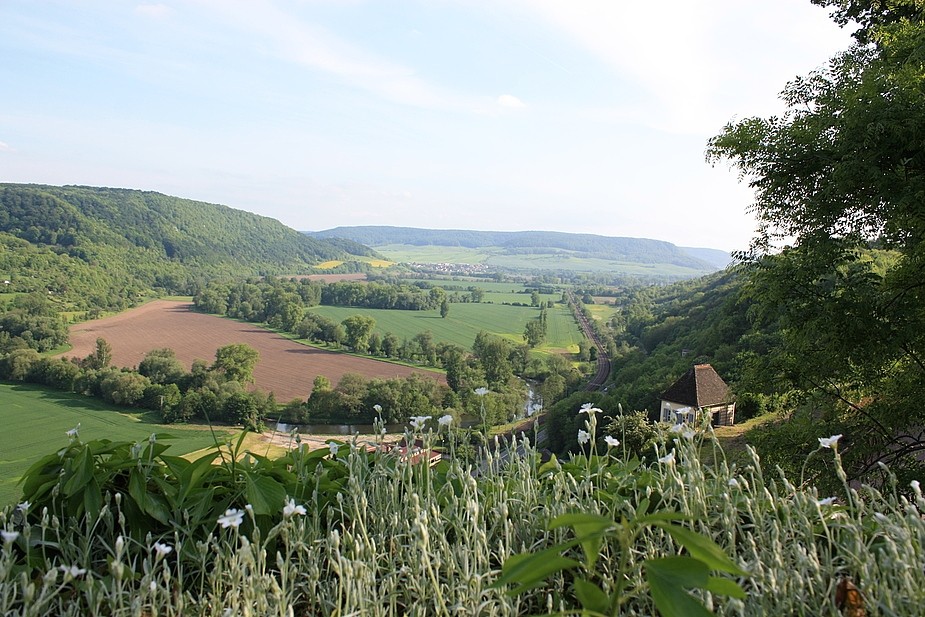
464,322
36,419
285,367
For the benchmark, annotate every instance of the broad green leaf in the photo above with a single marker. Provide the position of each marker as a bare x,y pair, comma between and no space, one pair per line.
549,466
703,548
93,499
591,596
264,494
589,531
528,570
725,587
192,476
668,579
82,473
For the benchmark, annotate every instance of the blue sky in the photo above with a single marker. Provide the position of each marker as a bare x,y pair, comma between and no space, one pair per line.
567,115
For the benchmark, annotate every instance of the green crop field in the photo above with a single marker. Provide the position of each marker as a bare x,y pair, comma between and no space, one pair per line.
36,419
465,321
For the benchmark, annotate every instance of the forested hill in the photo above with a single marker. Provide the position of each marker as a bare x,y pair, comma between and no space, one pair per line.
639,250
126,242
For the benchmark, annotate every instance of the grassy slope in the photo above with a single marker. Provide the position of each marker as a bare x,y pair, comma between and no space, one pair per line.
35,420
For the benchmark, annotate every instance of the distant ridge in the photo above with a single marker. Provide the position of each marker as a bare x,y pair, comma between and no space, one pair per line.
639,250
718,258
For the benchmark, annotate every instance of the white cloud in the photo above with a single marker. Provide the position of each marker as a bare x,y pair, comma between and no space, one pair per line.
509,100
693,64
157,11
296,40
5,147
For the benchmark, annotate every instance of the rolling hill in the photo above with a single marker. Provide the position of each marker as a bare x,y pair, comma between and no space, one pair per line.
536,250
104,247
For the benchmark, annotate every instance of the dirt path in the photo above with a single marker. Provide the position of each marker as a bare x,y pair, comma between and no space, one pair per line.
285,367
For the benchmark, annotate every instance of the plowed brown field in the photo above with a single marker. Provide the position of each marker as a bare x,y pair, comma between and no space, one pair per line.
285,367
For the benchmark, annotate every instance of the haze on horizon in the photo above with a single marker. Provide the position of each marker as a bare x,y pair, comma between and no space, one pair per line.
583,117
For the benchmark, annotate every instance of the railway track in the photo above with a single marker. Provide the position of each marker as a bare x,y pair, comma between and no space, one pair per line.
603,360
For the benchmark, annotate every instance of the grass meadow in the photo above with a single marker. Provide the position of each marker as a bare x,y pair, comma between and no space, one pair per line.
466,320
35,421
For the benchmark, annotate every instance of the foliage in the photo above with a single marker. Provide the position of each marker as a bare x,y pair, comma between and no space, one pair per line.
840,176
35,420
372,534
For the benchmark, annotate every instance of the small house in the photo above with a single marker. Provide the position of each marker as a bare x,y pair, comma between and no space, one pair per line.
700,389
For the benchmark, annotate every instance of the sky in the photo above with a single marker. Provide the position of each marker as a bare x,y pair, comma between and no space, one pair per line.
586,116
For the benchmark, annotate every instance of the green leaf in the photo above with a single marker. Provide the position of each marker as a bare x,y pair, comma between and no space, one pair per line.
725,587
703,548
192,476
591,596
264,494
549,466
82,473
668,577
589,531
528,570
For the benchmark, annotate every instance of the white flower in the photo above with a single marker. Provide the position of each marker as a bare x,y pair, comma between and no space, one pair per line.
162,549
590,409
23,507
378,408
152,586
232,518
668,459
9,536
249,508
733,483
333,447
418,422
828,501
829,442
446,420
688,433
916,486
881,518
291,508
73,571
684,411
612,442
676,428
74,432
481,391
583,436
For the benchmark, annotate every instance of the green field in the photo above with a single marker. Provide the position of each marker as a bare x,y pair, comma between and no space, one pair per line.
35,420
560,260
465,321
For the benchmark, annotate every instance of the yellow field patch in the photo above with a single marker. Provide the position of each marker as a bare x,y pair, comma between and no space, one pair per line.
380,263
329,264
